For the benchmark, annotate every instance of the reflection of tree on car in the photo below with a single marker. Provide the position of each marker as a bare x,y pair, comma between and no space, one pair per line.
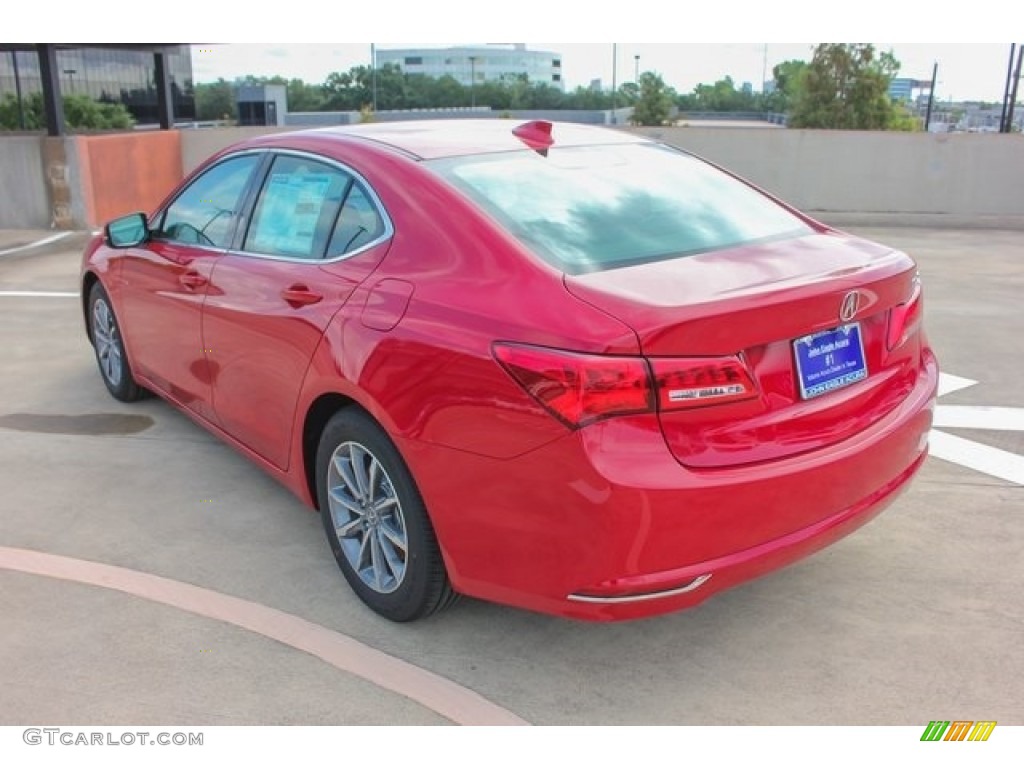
184,232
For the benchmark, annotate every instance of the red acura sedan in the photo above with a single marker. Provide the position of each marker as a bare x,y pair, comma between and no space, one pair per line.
558,367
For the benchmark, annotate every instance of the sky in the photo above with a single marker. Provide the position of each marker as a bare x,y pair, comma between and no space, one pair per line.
700,42
974,71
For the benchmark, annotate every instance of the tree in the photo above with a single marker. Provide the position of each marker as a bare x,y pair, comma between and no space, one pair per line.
846,86
353,90
724,97
343,90
84,112
32,106
788,77
303,97
444,91
215,101
654,103
629,93
81,112
595,98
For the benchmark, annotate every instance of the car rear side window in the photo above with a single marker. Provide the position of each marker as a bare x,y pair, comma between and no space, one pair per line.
297,208
359,224
308,209
204,214
586,209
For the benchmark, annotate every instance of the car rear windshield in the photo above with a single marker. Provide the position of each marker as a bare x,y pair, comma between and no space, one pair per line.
587,209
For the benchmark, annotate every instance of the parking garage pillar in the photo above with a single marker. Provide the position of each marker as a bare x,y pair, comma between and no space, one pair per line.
164,100
53,105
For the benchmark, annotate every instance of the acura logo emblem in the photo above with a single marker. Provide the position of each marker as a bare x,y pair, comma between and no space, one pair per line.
849,307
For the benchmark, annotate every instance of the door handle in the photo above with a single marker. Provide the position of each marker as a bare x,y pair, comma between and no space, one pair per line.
192,280
299,295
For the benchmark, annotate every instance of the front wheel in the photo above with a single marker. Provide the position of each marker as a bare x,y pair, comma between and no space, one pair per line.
109,346
376,522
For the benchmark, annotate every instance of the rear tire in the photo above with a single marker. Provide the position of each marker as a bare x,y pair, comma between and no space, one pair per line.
376,521
107,341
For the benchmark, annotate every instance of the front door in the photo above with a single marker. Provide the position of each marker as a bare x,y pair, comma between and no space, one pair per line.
166,280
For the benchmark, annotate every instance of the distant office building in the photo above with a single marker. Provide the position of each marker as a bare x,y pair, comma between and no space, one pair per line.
262,104
478,63
902,88
108,75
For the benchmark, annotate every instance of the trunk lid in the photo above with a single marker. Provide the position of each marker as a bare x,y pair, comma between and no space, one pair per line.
752,302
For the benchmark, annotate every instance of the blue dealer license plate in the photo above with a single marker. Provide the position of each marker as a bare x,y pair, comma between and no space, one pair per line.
829,360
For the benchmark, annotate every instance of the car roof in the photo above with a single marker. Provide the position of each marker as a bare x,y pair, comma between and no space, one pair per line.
430,139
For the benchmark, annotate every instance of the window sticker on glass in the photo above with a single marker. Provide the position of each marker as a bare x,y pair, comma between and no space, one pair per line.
289,213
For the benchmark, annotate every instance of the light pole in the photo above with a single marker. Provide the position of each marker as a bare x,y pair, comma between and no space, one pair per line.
373,75
636,69
615,83
71,78
17,90
1006,90
931,97
1013,90
764,70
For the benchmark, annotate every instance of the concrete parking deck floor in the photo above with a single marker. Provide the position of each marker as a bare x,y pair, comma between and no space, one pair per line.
917,616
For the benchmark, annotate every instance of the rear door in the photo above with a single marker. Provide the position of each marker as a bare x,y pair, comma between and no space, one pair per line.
316,231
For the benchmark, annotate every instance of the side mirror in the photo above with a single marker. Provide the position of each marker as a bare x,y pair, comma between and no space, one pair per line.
127,231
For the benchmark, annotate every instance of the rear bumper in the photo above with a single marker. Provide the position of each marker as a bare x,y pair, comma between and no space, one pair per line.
656,593
604,524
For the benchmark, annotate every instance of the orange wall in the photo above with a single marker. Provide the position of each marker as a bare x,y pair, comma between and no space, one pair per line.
126,172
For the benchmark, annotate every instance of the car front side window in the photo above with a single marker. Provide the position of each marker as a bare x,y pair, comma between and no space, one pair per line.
204,214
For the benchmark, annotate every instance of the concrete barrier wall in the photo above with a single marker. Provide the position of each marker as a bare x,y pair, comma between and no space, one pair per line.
961,175
24,203
121,173
878,177
198,145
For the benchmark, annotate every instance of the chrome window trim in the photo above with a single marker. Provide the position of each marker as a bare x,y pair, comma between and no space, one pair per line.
387,234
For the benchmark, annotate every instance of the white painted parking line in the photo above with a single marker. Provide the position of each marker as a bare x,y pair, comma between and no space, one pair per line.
41,294
948,383
981,458
37,243
979,417
968,453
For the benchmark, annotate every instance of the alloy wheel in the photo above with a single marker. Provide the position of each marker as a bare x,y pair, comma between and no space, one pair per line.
108,346
367,517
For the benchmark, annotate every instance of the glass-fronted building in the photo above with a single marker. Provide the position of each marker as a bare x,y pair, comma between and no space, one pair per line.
903,88
108,74
478,63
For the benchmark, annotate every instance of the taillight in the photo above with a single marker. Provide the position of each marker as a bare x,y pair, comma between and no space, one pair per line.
905,318
580,388
693,382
